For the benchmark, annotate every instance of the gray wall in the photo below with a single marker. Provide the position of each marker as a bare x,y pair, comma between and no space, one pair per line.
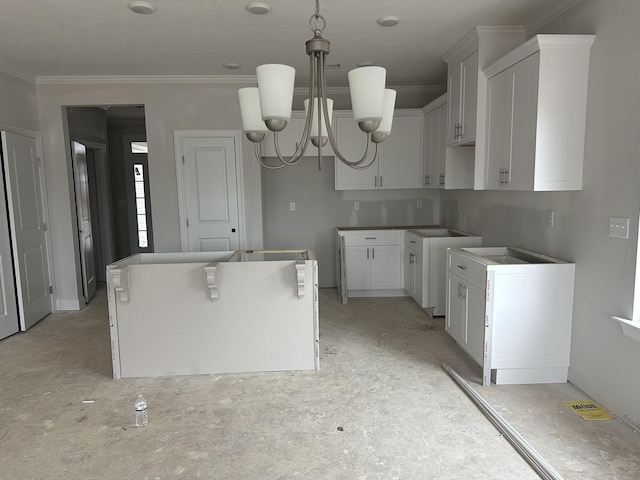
320,209
18,103
604,363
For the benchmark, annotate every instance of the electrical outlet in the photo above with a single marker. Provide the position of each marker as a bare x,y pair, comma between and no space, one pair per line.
356,205
619,227
292,207
551,218
419,204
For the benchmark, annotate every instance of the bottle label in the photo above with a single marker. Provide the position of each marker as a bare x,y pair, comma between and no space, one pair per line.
140,409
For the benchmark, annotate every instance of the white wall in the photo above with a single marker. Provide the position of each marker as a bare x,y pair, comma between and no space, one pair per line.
604,363
167,108
18,103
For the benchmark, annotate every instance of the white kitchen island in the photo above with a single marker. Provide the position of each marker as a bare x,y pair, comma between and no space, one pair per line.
213,312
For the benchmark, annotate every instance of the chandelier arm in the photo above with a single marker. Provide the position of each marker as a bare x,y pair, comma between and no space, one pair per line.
373,159
322,92
256,149
306,133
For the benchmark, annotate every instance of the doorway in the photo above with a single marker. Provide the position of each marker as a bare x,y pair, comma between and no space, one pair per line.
109,181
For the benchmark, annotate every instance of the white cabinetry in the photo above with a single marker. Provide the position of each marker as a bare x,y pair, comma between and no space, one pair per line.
399,160
536,115
511,310
466,83
462,87
425,264
373,263
434,138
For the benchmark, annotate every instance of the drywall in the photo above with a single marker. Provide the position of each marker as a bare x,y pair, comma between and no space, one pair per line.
18,103
319,209
604,363
168,107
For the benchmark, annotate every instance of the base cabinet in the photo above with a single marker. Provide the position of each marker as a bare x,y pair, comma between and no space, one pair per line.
373,263
510,309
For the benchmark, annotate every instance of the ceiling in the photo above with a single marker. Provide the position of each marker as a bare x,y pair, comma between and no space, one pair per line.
52,38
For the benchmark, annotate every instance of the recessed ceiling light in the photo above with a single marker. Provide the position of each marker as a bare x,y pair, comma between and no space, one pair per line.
259,8
143,8
388,21
231,65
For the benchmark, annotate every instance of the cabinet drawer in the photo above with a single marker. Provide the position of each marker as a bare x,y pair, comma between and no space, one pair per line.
467,267
374,237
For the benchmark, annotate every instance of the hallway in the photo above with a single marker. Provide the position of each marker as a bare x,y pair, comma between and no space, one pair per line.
380,407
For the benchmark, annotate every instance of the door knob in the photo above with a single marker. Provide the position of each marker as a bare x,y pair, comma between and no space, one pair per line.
233,230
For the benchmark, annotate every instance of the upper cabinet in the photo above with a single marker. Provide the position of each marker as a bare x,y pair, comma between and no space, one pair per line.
462,86
434,139
466,83
399,162
536,115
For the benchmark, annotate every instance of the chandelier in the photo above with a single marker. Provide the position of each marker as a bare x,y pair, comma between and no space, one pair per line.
267,107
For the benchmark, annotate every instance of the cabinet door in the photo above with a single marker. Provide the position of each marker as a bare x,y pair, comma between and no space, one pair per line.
429,173
387,267
401,158
418,279
498,146
475,328
456,319
440,143
454,89
358,267
352,143
410,273
523,134
469,98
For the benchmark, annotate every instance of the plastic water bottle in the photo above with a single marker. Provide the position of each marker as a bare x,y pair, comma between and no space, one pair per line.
142,419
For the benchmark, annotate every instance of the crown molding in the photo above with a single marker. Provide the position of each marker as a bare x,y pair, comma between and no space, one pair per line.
17,73
146,79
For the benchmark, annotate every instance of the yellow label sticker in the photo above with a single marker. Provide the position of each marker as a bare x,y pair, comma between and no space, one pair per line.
588,410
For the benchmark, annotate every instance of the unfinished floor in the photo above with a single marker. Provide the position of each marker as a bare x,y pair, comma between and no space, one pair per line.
381,407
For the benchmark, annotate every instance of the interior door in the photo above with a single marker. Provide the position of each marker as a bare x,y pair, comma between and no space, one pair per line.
83,211
208,180
9,323
23,182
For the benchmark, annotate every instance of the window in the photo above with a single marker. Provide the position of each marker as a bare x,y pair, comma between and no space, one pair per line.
141,208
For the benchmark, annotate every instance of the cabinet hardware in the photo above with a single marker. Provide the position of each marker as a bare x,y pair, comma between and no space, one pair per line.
427,179
380,181
462,267
375,182
412,241
370,238
367,254
506,176
373,253
442,179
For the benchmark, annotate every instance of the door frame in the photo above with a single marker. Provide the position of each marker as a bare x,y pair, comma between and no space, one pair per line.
37,136
178,136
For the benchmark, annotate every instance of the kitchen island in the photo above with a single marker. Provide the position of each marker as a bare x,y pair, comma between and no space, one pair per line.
213,312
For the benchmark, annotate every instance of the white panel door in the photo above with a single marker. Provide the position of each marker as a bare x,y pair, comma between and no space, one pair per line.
9,323
210,200
28,229
83,210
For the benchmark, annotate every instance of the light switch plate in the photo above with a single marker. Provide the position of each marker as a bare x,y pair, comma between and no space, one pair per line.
619,227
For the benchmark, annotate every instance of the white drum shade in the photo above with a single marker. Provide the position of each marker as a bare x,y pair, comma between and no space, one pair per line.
314,119
387,112
250,110
366,85
275,84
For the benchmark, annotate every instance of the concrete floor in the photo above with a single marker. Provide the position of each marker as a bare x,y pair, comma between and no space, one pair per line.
381,407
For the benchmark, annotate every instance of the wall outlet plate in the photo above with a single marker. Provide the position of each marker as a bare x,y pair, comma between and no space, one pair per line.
619,227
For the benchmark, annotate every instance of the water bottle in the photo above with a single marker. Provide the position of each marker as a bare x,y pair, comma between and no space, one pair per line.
142,420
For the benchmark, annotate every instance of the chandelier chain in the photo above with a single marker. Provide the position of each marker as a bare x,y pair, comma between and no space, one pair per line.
317,23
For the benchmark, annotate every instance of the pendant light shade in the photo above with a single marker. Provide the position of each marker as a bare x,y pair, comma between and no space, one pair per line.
314,120
387,111
250,110
366,85
275,84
